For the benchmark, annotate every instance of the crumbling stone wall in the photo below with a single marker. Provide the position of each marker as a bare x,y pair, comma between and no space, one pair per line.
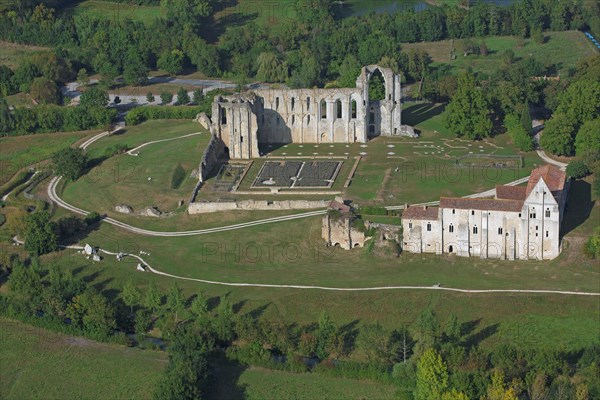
338,231
344,115
208,207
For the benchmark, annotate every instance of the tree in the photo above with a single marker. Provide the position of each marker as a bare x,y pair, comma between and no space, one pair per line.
454,395
468,113
377,344
592,246
432,376
198,96
271,68
135,71
186,374
93,312
131,296
94,97
45,91
580,102
171,61
199,306
325,335
497,390
348,71
25,280
69,162
452,328
203,56
175,300
82,77
187,13
150,97
6,81
427,330
39,233
538,36
557,137
587,139
577,169
182,96
520,137
166,98
6,118
143,322
314,12
152,300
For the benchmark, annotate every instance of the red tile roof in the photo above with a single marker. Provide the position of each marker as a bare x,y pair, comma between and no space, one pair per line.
554,178
341,207
511,192
481,204
420,212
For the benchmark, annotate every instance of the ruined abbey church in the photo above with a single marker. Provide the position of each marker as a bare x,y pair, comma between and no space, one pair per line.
340,115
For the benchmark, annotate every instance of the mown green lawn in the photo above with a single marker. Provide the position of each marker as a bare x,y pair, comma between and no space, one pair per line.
40,364
143,180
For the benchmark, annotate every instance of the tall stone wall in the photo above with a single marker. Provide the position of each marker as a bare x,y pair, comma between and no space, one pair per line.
210,158
336,115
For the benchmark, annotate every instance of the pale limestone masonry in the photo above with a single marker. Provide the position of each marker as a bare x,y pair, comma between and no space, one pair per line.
340,115
521,223
249,205
337,229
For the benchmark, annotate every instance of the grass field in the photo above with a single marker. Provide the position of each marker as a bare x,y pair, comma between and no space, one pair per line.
20,151
259,384
564,49
119,11
36,363
143,180
12,54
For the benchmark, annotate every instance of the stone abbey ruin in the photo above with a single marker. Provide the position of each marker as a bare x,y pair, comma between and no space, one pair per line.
242,122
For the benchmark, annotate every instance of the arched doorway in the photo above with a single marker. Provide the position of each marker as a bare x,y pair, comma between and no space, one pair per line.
377,95
450,249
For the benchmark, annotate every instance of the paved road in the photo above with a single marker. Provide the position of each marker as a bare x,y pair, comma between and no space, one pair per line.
343,289
70,90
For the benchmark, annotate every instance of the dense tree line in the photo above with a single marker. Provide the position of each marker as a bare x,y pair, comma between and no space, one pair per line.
313,49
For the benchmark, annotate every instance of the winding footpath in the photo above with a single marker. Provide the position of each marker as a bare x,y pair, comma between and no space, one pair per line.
340,289
54,197
134,152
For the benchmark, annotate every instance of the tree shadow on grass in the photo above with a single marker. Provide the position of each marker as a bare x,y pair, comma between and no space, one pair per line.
476,338
259,311
224,377
579,206
415,114
349,332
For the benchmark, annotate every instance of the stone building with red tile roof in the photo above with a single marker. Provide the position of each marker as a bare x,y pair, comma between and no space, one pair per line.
521,222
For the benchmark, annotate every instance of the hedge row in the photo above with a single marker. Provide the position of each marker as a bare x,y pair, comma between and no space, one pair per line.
141,114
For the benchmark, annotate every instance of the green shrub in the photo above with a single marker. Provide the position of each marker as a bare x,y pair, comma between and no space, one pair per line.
178,177
592,246
577,169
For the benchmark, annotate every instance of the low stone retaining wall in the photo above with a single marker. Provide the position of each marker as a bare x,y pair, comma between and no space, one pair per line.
248,205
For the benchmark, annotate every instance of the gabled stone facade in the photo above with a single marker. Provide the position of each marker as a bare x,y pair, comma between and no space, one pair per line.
520,223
